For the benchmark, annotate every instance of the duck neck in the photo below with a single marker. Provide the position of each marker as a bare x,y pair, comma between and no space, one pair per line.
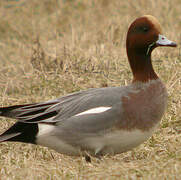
141,66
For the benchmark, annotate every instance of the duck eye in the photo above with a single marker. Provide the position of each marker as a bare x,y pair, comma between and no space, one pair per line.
145,29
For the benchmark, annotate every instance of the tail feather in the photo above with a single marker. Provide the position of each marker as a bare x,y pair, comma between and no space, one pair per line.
21,132
7,111
28,116
30,113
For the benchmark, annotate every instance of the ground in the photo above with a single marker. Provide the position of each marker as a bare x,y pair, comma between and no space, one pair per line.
51,48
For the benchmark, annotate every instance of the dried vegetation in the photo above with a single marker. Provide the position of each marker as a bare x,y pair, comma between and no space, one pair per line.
51,48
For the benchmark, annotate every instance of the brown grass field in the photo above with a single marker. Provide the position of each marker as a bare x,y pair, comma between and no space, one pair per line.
49,48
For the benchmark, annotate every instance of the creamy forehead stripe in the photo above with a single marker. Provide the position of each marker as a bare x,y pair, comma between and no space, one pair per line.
154,21
94,110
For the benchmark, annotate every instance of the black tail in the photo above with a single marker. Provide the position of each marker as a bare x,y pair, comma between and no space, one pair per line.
30,113
21,132
9,111
28,116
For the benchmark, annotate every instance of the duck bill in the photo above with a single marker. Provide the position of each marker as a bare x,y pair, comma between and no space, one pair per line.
163,41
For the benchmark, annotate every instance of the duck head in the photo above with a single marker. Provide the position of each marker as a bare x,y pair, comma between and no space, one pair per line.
144,35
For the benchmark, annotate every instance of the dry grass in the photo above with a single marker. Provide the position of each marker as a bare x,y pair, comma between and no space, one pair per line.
51,48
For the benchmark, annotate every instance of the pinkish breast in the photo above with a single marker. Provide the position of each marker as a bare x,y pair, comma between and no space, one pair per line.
144,107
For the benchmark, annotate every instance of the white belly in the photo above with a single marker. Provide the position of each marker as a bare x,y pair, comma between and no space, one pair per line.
121,141
110,143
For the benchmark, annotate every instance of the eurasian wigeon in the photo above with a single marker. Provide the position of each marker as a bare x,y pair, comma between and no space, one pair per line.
102,120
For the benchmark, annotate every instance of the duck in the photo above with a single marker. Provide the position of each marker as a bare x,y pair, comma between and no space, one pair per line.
100,121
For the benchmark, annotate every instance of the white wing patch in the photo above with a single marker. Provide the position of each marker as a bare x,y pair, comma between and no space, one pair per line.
94,110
